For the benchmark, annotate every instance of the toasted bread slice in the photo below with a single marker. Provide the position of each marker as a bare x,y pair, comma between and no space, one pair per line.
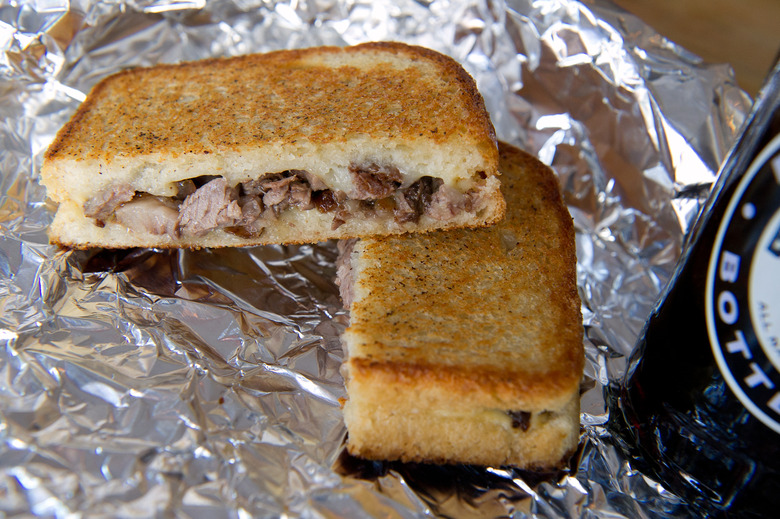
465,346
294,146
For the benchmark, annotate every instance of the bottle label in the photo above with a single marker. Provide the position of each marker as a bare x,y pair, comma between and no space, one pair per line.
742,296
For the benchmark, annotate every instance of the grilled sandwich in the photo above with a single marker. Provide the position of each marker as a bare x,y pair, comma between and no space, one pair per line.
465,346
293,146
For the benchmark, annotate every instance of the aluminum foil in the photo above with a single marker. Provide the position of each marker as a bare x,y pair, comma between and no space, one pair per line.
206,383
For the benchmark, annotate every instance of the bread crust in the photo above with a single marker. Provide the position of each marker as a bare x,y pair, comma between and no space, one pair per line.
486,320
119,101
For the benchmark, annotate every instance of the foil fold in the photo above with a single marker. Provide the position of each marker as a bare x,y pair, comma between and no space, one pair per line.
148,383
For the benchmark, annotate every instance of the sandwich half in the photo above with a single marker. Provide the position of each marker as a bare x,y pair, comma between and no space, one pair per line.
465,346
293,146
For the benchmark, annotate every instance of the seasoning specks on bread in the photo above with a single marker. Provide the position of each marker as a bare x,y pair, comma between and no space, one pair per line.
203,106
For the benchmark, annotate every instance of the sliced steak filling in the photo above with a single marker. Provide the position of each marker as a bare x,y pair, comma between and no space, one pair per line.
373,182
345,274
212,206
155,215
206,203
412,202
105,203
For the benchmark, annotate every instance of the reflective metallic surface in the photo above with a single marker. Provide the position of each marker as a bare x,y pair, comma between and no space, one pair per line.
206,383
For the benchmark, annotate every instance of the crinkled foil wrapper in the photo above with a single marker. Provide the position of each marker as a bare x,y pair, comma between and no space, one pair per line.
206,383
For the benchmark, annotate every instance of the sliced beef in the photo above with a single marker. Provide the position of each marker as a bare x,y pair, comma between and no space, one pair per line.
413,201
252,188
251,209
445,203
345,274
102,205
150,214
281,190
206,203
403,212
314,181
252,222
276,192
268,183
372,181
300,195
212,206
185,188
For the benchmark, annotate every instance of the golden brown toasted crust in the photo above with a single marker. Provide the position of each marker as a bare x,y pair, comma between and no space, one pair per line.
486,320
539,388
211,105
